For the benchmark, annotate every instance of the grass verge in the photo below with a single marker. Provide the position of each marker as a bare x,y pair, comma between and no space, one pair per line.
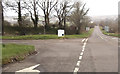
82,35
109,34
15,52
36,37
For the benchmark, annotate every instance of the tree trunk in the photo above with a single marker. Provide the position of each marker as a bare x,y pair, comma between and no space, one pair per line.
60,23
21,30
78,29
36,16
2,18
47,19
45,25
46,22
65,23
19,14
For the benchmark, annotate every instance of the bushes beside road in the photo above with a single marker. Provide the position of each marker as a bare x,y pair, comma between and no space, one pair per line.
48,36
109,34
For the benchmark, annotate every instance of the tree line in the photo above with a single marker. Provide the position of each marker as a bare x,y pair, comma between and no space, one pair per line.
75,12
112,23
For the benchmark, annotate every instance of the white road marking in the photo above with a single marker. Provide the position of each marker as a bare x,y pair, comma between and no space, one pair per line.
83,46
76,69
83,40
83,50
81,53
114,38
100,36
30,69
80,57
78,63
86,39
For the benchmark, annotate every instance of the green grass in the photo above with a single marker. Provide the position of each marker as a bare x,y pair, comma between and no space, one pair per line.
83,35
15,52
49,36
30,37
109,34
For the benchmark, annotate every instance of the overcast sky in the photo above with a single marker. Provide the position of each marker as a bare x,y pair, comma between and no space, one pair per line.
102,7
97,7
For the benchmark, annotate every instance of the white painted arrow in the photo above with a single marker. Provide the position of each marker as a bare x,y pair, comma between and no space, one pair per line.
30,69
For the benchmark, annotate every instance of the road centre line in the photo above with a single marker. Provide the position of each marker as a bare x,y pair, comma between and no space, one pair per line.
85,44
83,40
83,50
76,69
86,39
78,63
81,55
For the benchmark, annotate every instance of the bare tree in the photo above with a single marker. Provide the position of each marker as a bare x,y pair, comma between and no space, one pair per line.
59,10
62,9
31,6
112,23
66,9
47,6
78,15
16,6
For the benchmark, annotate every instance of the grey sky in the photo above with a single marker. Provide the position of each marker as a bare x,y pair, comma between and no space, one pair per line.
102,7
97,7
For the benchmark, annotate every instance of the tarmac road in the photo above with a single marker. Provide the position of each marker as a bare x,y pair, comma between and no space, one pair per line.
101,53
98,53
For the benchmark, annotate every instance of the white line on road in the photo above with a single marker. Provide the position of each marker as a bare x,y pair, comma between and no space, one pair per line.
114,38
86,40
83,40
78,63
83,46
83,50
100,36
81,53
76,69
80,57
30,69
